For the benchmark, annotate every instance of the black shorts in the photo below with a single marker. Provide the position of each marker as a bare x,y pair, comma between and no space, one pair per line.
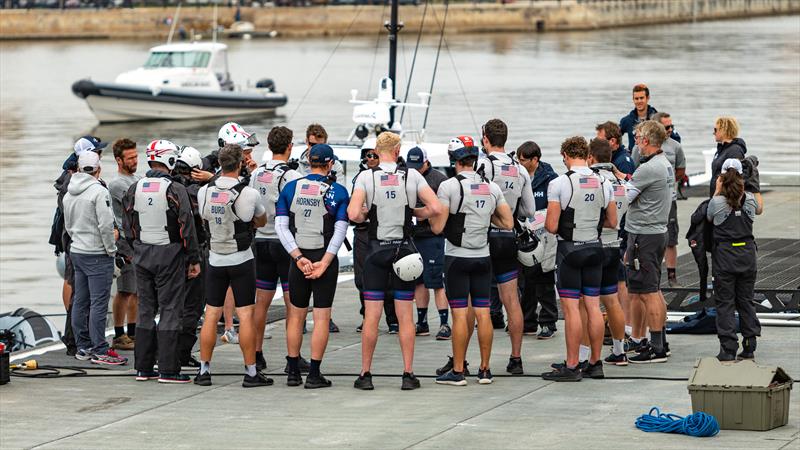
323,288
672,225
240,278
468,279
612,262
272,263
579,269
503,251
432,251
648,249
378,274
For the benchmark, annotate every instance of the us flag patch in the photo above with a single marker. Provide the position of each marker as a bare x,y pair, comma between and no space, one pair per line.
150,186
219,197
479,189
619,190
509,171
265,177
588,183
309,189
389,180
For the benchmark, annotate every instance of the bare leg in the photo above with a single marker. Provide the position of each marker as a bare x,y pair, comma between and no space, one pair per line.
624,300
228,309
119,308
671,257
208,334
263,301
656,311
485,335
66,294
509,295
637,316
405,318
595,326
294,329
616,318
422,296
319,337
572,329
369,333
460,337
247,334
133,308
440,298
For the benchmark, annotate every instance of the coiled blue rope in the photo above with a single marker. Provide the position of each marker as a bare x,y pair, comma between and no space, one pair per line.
698,424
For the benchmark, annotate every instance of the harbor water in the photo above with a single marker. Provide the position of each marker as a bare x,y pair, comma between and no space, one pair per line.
545,86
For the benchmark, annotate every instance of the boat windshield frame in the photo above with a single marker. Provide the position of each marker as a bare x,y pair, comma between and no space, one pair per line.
192,59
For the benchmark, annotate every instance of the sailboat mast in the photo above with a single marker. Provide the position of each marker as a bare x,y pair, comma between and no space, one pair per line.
394,27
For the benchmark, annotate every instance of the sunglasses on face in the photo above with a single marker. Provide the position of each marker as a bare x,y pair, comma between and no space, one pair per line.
371,156
670,127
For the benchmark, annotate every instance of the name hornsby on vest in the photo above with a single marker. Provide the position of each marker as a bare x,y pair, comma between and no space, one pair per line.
301,201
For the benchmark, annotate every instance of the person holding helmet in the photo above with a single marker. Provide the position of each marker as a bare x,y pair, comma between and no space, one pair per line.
387,196
194,301
311,222
369,161
272,261
232,210
473,203
515,182
580,204
613,272
158,221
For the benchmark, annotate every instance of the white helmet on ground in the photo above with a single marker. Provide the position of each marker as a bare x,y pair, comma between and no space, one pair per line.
191,157
162,151
408,268
233,133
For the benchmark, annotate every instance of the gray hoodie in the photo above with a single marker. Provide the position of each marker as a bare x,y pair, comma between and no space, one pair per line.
88,217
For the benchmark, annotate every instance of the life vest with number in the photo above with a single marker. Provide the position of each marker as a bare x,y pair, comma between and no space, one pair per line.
582,219
229,234
154,222
390,214
468,223
309,221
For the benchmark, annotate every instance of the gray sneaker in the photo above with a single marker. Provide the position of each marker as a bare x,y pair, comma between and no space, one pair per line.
230,336
444,333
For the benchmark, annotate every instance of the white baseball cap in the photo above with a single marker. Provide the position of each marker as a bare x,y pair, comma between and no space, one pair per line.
732,163
88,144
88,162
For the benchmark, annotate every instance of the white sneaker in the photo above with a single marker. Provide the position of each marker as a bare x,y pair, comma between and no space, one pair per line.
230,337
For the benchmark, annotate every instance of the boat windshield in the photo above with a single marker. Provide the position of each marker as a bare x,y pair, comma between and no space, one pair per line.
177,59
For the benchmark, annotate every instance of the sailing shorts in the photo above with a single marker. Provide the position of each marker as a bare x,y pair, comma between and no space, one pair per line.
672,225
272,263
468,279
241,278
579,269
379,276
323,288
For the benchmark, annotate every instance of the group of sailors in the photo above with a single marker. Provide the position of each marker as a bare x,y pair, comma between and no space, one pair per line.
198,232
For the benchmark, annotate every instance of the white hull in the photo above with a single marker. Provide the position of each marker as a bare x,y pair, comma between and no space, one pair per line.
114,109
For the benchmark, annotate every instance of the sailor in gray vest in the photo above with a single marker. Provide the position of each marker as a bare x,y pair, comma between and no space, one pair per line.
232,210
600,161
387,195
579,204
473,203
515,182
311,222
272,261
158,220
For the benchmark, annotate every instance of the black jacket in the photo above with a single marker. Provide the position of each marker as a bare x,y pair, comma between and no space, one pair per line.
734,149
701,232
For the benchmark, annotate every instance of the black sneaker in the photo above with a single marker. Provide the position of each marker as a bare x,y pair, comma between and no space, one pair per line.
449,366
593,370
173,378
302,364
394,328
261,363
305,327
203,379
360,327
527,332
332,328
191,362
581,365
364,382
317,382
648,356
725,356
484,376
146,375
616,360
294,379
563,374
410,382
256,381
546,332
746,355
666,349
452,378
423,329
498,322
514,366
635,347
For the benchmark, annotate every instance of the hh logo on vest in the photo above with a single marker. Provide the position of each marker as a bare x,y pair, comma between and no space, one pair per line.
151,186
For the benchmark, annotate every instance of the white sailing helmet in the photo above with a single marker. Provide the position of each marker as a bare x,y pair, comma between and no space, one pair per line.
530,253
369,144
408,268
191,157
162,151
61,265
233,133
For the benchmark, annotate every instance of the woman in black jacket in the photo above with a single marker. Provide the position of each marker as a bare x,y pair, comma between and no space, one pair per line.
729,145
